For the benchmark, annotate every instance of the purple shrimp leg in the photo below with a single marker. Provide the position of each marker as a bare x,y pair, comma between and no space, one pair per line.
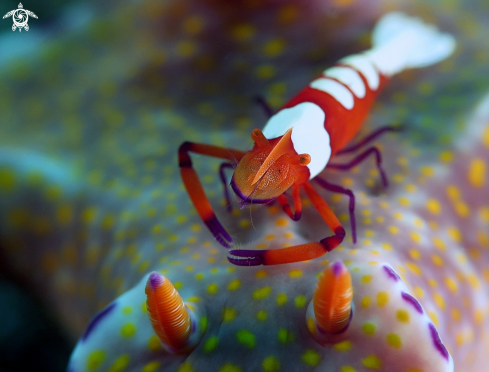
351,205
371,150
264,105
371,137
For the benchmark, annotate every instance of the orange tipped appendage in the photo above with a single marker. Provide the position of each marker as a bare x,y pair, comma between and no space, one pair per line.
332,299
167,312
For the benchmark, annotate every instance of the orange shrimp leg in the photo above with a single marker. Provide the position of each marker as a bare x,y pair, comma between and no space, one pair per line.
378,159
196,191
301,252
282,199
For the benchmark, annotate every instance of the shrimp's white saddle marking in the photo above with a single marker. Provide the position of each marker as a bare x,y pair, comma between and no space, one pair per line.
349,77
336,90
308,134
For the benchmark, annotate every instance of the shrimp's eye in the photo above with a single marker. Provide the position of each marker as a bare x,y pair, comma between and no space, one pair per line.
304,159
259,138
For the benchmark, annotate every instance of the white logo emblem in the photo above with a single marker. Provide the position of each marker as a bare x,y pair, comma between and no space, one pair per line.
20,17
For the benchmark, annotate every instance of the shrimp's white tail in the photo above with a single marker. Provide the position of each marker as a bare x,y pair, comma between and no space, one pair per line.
401,42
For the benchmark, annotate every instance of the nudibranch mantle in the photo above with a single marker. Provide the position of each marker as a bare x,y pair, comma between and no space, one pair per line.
389,329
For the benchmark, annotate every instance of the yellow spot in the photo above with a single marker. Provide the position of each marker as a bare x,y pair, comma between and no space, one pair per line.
394,340
89,214
415,254
311,358
413,268
479,317
95,360
282,222
477,172
212,288
365,302
347,369
439,244
454,233
211,344
427,171
229,314
485,136
185,367
369,329
403,201
228,367
281,299
265,71
473,281
382,298
402,316
437,260
260,274
243,32
311,325
193,25
7,179
128,330
419,292
274,47
451,284
144,309
262,293
186,48
446,156
300,301
456,315
366,279
393,230
439,301
295,273
410,188
126,310
284,336
372,362
270,364
387,246
120,364
234,285
415,236
246,338
261,315
154,343
342,346
151,367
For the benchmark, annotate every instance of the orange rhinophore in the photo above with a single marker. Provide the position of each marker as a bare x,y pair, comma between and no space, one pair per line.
167,312
332,299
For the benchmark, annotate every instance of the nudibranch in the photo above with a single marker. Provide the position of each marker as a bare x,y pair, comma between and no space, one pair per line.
93,213
406,304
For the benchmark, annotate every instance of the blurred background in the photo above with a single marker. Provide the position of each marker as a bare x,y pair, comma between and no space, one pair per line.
96,96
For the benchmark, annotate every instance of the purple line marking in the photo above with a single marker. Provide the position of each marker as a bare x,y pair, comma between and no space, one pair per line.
337,268
246,200
437,342
250,257
391,273
96,320
408,298
156,280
